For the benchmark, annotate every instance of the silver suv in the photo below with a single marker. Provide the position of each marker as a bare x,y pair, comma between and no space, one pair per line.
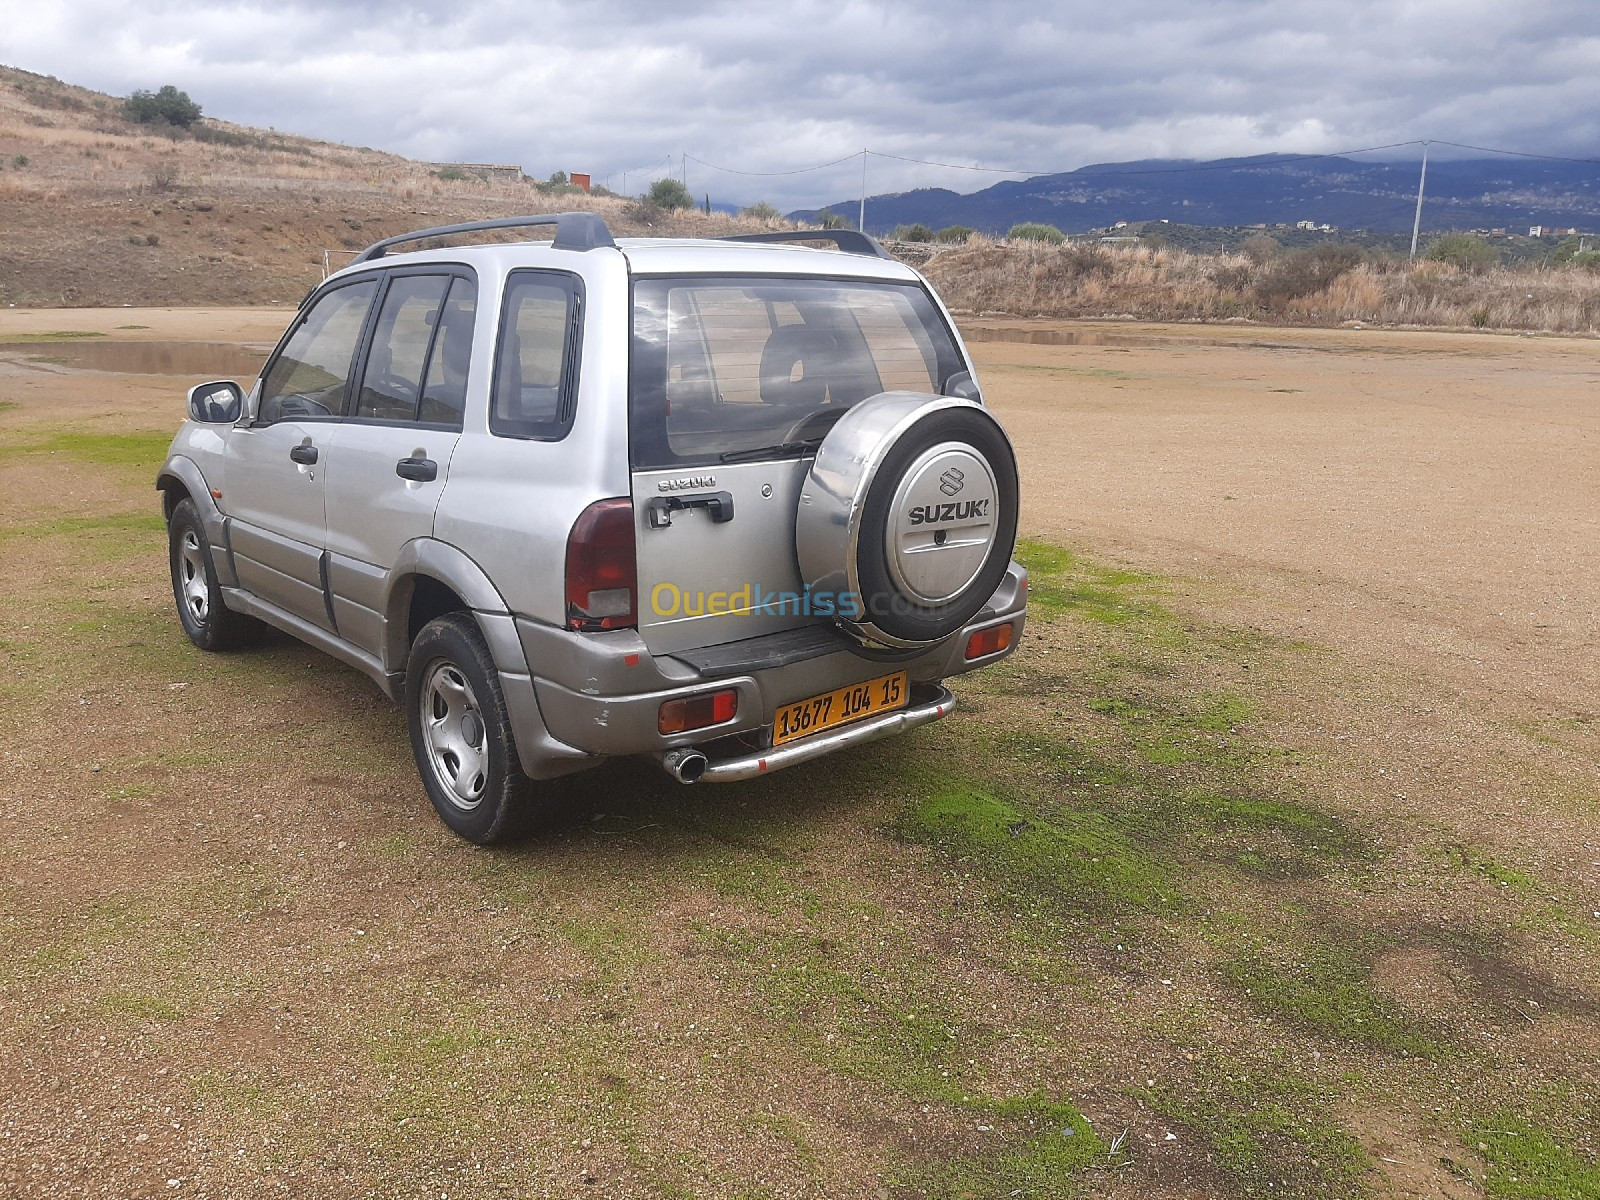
729,504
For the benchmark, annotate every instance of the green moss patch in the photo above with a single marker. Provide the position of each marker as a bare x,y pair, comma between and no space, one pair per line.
1268,1130
1079,858
1528,1163
1325,986
1060,581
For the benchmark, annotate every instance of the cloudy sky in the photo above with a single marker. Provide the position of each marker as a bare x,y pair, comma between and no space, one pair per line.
625,88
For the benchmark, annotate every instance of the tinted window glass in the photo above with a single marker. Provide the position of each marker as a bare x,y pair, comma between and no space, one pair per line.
312,375
444,396
533,377
730,365
392,381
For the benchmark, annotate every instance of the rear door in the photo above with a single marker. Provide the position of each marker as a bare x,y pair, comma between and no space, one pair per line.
392,453
275,475
730,377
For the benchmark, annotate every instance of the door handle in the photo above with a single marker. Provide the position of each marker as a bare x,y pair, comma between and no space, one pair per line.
718,504
304,455
418,470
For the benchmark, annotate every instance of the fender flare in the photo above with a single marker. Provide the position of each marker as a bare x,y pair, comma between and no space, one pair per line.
185,473
443,562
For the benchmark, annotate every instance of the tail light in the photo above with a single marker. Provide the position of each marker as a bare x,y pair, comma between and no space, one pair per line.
988,641
697,712
602,578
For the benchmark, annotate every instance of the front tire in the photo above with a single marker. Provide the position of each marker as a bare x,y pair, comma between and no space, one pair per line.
461,732
209,623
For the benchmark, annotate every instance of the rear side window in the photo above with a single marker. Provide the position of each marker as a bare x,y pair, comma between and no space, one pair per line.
729,366
311,375
535,366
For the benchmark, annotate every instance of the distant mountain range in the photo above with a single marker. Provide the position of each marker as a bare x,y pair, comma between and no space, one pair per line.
1483,193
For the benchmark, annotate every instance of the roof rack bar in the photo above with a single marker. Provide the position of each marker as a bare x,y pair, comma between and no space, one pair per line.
574,231
851,241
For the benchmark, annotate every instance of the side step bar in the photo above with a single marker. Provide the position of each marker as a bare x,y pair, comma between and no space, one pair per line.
688,765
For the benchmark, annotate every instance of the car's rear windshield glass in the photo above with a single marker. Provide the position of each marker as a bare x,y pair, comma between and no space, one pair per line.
726,367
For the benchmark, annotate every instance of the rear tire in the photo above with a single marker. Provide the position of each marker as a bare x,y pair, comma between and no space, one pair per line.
208,621
461,733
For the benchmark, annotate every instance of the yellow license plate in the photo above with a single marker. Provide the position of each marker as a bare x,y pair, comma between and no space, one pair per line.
839,707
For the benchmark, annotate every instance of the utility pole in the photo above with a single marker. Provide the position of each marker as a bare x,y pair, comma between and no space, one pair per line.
1416,224
861,221
683,172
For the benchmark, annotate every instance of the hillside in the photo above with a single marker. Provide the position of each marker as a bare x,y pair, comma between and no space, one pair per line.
98,210
1267,189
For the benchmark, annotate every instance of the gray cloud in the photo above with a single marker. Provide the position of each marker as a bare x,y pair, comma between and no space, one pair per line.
618,86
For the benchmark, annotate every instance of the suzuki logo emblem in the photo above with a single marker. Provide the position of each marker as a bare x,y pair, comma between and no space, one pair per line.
950,482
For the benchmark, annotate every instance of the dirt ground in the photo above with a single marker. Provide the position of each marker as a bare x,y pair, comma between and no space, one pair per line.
1267,867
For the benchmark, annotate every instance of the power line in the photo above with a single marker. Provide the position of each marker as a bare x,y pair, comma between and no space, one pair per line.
1519,153
771,174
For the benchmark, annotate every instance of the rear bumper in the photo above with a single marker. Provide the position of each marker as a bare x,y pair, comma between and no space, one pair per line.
601,694
750,766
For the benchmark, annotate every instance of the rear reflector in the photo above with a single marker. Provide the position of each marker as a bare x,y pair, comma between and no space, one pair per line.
698,712
988,641
602,579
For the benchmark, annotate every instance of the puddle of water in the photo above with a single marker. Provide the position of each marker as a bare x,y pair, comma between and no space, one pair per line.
203,360
1064,337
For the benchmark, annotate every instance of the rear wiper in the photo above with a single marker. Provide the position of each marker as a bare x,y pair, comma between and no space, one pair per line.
777,451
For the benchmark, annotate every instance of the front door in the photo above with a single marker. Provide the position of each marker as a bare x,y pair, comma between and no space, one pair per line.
392,454
276,466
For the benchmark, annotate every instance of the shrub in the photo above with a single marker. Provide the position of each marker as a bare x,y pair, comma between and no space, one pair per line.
452,173
829,219
669,194
954,233
1033,231
761,211
1259,247
913,233
169,106
20,161
1305,272
1464,250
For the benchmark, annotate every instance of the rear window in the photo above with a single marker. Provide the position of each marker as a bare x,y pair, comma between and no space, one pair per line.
729,366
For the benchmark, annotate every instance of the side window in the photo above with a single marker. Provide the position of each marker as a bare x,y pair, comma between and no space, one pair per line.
391,385
534,377
444,395
312,374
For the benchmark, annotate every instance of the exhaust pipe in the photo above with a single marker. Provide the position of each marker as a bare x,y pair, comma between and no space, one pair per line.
685,765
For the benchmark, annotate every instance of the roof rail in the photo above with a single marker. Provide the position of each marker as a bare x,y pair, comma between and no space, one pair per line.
574,231
851,241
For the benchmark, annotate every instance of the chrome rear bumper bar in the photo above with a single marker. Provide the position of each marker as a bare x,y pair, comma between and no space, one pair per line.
764,762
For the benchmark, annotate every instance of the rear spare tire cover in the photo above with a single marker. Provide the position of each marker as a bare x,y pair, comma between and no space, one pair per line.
908,517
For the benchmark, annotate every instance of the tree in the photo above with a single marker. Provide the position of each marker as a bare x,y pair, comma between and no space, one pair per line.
670,193
168,106
1464,250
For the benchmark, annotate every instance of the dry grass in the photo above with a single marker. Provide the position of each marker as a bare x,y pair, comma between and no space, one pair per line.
1075,280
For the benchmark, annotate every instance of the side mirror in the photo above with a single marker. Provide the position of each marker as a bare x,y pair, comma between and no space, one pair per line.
217,403
963,387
